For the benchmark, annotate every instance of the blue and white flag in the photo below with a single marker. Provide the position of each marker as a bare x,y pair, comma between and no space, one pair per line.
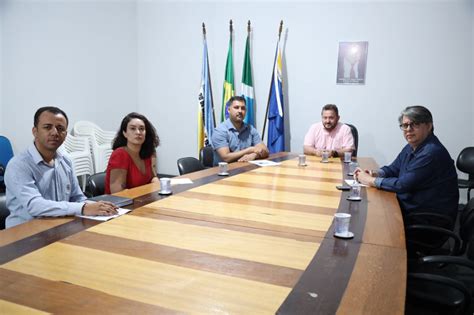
206,120
276,124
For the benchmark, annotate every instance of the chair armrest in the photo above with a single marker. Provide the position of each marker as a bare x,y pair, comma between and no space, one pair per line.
445,281
451,260
439,232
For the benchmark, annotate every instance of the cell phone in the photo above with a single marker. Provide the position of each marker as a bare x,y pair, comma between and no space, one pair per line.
341,187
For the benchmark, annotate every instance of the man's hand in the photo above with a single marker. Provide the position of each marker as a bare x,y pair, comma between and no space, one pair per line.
373,173
364,177
248,157
102,208
259,152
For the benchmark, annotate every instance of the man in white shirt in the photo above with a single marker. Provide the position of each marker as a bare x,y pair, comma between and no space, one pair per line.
40,182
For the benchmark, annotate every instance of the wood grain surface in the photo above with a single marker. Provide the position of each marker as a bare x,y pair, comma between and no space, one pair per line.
257,242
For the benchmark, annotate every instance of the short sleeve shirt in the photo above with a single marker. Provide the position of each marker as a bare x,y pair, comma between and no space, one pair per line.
225,135
120,159
338,138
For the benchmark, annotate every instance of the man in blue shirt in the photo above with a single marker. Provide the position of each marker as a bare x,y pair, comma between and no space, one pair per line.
40,182
233,140
423,175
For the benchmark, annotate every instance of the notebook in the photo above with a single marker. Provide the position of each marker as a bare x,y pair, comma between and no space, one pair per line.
116,200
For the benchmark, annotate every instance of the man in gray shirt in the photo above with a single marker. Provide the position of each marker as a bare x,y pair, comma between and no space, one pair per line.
234,140
40,182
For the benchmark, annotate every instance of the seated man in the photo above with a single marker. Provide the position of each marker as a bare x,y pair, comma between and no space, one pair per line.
40,182
329,135
233,140
423,174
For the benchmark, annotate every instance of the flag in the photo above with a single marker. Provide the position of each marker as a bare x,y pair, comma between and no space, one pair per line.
228,82
247,86
206,120
276,132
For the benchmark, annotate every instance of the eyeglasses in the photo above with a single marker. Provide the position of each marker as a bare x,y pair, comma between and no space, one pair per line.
412,125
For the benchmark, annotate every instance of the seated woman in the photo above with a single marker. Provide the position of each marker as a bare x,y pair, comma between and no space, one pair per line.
133,162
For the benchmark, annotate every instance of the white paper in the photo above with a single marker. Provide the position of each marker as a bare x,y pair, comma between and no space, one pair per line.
121,211
264,163
351,182
180,181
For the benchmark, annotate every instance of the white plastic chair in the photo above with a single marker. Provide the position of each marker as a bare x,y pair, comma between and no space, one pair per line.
78,150
100,142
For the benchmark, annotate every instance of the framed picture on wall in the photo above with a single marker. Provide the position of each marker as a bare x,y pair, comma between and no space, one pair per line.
352,63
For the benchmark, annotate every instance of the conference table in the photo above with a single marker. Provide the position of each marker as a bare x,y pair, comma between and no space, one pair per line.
259,241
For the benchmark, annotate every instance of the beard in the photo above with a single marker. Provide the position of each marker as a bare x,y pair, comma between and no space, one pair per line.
329,126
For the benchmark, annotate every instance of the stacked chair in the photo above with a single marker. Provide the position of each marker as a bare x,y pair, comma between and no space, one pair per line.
444,283
100,142
78,150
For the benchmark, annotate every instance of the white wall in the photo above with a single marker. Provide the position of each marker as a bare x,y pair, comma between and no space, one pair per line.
80,56
472,62
419,53
102,59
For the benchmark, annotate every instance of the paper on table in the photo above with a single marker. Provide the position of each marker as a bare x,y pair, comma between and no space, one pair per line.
180,181
264,163
350,182
121,211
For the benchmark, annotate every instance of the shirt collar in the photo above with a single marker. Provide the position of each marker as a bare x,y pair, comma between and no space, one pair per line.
37,158
228,124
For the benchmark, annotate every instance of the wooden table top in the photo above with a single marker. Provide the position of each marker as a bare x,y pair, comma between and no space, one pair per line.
259,241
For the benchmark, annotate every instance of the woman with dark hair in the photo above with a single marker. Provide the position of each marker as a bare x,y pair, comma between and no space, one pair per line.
133,162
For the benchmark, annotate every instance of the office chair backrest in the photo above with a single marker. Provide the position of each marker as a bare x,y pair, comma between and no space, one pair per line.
188,165
206,156
6,151
465,161
355,135
466,229
95,185
4,213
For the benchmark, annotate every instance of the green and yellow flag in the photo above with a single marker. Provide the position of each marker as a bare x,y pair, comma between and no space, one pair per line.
228,82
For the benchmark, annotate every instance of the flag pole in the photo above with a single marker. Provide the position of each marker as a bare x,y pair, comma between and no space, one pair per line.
209,74
271,82
229,71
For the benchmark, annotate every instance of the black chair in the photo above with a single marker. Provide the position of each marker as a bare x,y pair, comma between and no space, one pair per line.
2,183
465,163
355,135
188,165
206,156
438,284
430,233
4,213
435,294
95,185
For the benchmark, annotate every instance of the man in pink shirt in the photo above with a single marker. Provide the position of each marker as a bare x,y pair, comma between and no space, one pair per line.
329,134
